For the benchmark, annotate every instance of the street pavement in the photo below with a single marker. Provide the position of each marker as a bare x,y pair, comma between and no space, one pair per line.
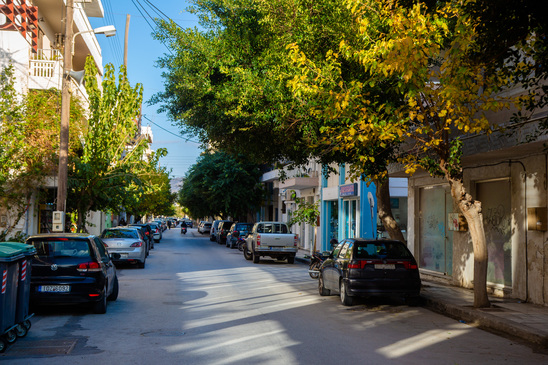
506,316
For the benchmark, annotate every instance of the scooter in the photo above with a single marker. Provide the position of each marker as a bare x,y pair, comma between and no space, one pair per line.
315,263
183,230
241,243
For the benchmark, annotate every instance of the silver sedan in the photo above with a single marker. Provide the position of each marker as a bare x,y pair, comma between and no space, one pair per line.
128,242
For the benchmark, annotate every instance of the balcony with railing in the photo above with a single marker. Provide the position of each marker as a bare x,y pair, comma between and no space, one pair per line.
46,69
46,72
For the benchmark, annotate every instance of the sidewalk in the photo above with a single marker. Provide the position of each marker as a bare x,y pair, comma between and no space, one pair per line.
509,317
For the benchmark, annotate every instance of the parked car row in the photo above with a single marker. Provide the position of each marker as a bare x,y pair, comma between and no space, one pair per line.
78,268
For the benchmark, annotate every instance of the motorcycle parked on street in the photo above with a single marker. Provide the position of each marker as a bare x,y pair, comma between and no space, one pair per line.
240,243
315,263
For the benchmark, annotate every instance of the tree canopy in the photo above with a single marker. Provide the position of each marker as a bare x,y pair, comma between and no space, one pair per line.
220,184
362,82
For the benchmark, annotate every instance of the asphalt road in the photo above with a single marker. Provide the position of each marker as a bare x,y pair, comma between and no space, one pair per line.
197,302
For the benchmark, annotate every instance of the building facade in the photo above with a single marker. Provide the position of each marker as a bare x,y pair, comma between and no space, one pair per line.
507,173
32,40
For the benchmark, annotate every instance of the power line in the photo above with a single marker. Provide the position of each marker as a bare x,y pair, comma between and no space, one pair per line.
135,2
170,132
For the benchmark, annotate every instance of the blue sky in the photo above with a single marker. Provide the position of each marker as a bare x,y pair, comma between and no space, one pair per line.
143,52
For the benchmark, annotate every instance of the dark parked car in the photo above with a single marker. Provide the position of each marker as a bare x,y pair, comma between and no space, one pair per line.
360,268
243,230
222,231
72,268
146,230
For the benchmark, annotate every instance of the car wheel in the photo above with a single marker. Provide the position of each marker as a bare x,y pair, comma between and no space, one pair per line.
290,259
115,289
256,258
345,298
321,288
101,306
247,254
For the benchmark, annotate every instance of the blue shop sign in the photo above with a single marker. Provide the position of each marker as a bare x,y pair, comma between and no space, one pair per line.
348,190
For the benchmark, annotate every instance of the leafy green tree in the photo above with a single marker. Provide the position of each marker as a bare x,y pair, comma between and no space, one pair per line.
155,196
112,156
221,185
29,143
12,148
447,94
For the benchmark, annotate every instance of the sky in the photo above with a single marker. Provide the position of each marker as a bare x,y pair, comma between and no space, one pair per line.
143,52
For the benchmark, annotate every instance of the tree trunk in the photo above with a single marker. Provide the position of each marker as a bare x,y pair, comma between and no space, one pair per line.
471,209
384,210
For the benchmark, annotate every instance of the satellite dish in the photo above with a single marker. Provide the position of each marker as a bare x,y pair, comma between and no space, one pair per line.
78,76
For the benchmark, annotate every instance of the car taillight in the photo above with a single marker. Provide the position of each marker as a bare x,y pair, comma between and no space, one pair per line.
295,240
136,244
258,240
355,264
360,264
89,266
409,265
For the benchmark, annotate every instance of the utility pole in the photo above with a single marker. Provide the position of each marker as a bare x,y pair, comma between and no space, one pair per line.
62,182
126,40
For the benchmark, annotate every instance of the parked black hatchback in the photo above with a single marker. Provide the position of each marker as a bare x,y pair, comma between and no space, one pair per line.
72,268
360,268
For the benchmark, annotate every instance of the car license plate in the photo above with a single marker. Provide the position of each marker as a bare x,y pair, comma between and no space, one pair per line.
54,288
123,255
275,248
385,266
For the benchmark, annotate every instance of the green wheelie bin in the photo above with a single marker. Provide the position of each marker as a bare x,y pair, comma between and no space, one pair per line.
22,317
9,272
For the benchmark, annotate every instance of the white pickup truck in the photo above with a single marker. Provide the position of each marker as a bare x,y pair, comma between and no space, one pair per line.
271,239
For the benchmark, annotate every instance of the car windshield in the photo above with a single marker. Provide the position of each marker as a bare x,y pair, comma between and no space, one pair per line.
243,227
61,248
272,228
381,250
120,233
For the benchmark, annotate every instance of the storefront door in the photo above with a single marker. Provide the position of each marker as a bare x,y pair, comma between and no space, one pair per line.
496,208
435,241
350,216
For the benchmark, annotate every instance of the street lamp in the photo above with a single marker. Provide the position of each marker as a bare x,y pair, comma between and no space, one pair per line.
107,30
